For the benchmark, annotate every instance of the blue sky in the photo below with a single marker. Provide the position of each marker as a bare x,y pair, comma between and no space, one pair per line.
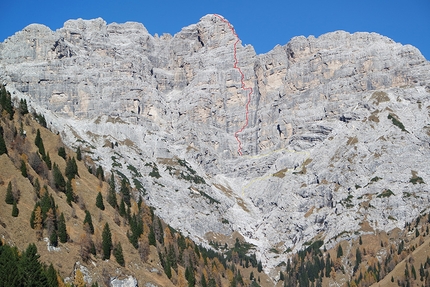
263,24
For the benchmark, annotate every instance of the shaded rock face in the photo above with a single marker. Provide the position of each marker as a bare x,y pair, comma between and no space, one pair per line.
320,147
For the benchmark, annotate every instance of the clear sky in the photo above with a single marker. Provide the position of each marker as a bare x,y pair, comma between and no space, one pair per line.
263,24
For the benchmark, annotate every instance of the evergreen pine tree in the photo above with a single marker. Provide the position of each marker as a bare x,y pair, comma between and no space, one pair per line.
203,281
69,192
23,169
357,256
125,191
71,168
414,273
3,149
3,95
36,187
62,152
30,269
9,195
160,232
106,242
117,252
99,201
167,269
111,199
59,181
78,153
51,276
32,217
151,237
39,143
88,220
327,267
281,276
259,266
9,261
48,161
62,230
15,210
121,210
100,174
53,238
8,105
339,251
23,108
189,275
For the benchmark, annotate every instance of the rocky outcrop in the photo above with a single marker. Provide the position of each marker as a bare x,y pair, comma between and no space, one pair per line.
322,146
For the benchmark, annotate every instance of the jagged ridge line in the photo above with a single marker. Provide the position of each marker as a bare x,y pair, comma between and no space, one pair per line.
242,80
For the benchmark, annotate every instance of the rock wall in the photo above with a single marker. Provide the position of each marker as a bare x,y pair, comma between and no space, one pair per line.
319,150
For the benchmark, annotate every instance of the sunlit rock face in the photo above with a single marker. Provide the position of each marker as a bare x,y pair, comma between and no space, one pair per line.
322,148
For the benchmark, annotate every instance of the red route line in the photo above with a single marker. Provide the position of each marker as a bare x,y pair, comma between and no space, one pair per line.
242,77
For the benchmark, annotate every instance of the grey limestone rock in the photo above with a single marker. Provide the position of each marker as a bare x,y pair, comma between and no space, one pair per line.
319,149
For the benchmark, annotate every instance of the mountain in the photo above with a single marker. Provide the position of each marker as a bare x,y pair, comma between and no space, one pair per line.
333,144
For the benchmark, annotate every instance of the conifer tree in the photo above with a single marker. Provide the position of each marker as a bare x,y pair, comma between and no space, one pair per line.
100,174
414,273
15,210
9,261
38,138
125,191
106,242
99,201
167,269
38,221
62,230
6,102
203,281
23,169
23,108
151,237
79,279
339,251
39,143
328,265
3,149
357,256
36,187
30,269
117,252
59,181
112,193
3,95
78,153
48,161
51,276
189,275
88,221
259,266
53,238
69,192
32,216
121,210
71,168
62,152
9,195
160,232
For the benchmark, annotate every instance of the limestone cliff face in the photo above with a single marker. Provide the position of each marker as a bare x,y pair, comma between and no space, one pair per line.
319,148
